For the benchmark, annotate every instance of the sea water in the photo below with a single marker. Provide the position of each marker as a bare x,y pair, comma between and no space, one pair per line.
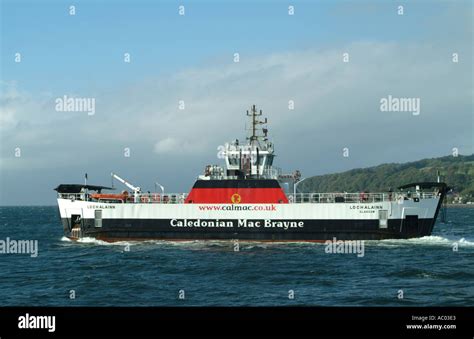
437,270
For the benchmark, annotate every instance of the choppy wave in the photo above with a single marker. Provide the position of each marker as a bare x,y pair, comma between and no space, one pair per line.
428,240
432,240
89,240
426,267
197,244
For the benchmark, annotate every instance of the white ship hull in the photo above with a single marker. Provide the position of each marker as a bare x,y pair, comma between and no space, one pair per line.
278,222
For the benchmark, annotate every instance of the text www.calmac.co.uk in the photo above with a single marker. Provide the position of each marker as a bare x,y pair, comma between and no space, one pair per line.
237,208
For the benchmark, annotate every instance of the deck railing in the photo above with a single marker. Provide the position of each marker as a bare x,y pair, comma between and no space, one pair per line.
168,198
298,198
355,197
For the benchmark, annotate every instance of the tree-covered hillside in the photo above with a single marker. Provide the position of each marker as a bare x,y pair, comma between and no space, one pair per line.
457,172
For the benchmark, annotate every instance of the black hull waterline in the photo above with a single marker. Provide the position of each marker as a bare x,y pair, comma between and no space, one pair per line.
314,230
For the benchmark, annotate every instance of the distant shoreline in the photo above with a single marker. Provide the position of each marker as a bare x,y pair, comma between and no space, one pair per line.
459,205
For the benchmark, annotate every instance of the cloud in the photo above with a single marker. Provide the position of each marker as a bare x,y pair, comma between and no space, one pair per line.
173,146
336,106
334,101
325,91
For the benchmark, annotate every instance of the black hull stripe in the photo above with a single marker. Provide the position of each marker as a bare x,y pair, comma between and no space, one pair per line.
313,230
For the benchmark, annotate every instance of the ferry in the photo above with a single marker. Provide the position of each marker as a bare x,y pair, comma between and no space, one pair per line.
247,199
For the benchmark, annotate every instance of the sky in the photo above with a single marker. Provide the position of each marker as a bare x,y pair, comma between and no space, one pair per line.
139,131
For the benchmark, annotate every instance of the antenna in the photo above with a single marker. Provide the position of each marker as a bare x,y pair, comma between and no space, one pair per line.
258,163
254,114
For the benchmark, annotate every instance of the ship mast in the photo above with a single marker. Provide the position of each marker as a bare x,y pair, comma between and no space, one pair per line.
254,137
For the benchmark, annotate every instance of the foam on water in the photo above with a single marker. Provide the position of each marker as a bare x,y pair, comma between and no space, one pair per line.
193,244
89,240
245,245
428,240
432,240
197,244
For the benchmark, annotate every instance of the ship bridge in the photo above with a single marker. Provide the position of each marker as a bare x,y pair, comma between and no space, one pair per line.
251,160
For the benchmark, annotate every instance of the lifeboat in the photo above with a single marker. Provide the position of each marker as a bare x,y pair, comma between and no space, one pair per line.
110,196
